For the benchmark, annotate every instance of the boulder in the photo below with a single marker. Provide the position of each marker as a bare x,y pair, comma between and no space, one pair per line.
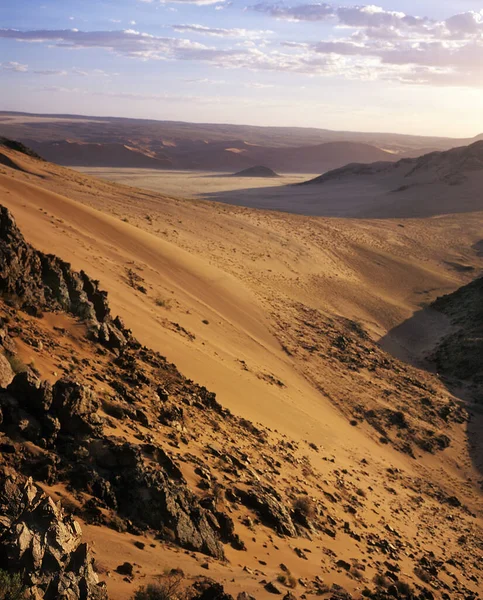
6,373
38,540
270,508
75,406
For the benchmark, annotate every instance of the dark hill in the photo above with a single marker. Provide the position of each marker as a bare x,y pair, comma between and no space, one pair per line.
258,171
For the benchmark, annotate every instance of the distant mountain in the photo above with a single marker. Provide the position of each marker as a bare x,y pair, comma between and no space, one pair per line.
449,167
97,155
229,156
258,171
182,138
436,183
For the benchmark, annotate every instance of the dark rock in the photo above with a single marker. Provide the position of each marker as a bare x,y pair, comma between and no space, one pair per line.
210,590
342,564
245,596
40,541
125,569
34,395
272,588
269,506
74,405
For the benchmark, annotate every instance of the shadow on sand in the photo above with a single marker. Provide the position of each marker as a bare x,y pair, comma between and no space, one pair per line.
413,342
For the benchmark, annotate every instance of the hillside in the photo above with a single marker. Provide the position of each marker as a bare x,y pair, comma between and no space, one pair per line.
459,354
450,167
113,129
434,184
320,451
94,141
209,156
99,155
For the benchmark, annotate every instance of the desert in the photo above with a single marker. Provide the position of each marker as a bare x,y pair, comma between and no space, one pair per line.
241,257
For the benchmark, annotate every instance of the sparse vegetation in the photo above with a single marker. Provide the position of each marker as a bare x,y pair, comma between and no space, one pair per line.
287,579
17,364
205,321
135,280
163,302
381,580
11,586
168,587
306,506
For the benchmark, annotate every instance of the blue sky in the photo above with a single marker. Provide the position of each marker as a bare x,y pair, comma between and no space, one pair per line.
406,66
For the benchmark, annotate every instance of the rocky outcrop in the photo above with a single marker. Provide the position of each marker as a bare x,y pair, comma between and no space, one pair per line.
140,482
460,353
270,507
38,540
6,373
39,282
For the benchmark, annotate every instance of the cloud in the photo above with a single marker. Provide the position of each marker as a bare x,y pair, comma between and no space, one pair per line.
219,32
366,43
14,66
49,72
128,42
197,2
302,12
407,48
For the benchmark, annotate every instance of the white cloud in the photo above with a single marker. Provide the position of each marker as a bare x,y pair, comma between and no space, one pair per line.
49,72
14,66
395,45
219,32
367,42
197,2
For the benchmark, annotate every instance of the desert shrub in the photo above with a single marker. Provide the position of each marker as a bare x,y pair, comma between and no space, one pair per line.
163,302
404,588
306,506
167,588
357,573
11,586
17,364
381,580
422,574
287,579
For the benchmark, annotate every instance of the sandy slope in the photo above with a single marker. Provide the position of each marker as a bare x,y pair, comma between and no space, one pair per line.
221,283
237,329
234,267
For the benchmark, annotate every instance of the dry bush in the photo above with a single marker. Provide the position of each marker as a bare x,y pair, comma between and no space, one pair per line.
381,580
11,586
17,364
306,506
163,302
169,587
287,579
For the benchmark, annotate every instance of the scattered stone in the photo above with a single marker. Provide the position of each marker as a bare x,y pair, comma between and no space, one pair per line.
272,588
125,569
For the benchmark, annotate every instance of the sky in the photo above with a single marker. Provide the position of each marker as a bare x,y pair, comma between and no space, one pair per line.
398,65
